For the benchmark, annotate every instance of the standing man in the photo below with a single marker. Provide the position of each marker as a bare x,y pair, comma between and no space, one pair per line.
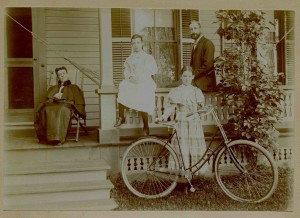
202,60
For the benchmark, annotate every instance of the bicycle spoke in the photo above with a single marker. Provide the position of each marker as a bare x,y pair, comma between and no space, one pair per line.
144,158
256,180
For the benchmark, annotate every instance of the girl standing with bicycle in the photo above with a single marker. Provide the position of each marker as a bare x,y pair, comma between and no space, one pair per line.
187,98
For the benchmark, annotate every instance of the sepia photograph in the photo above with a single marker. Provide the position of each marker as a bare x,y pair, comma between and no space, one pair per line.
119,109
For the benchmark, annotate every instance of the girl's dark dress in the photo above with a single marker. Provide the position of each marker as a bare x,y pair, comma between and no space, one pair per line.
53,117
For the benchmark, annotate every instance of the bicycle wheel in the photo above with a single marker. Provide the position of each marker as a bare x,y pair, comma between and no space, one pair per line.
150,168
246,172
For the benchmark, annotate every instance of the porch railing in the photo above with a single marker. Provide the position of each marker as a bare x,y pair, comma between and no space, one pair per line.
133,120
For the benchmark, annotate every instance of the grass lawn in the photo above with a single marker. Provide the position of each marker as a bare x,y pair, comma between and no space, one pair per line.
207,197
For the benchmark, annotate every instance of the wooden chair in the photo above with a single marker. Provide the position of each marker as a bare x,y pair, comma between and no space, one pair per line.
79,122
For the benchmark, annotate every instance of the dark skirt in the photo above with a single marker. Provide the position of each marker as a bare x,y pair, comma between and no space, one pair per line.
53,122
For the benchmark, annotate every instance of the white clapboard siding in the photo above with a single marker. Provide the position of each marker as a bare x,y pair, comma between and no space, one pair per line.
81,27
76,54
70,48
80,60
70,33
74,33
71,12
209,28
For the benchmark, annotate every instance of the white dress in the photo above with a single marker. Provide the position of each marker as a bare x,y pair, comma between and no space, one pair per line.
189,129
139,95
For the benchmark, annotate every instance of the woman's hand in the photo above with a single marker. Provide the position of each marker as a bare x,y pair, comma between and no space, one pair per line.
50,100
58,95
132,79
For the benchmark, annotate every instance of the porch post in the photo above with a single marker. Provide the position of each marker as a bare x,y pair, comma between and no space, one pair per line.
107,99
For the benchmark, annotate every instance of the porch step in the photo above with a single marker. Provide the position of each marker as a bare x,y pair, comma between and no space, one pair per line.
39,173
53,192
61,185
47,167
103,204
25,125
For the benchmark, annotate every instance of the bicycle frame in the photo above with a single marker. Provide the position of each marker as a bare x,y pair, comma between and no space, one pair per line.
205,157
243,175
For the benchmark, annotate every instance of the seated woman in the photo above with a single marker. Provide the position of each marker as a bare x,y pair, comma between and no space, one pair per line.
53,117
137,90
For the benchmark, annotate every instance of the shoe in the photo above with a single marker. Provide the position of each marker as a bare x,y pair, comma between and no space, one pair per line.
119,122
146,131
54,142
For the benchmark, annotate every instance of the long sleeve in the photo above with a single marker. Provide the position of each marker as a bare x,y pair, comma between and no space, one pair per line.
207,62
172,99
199,96
127,70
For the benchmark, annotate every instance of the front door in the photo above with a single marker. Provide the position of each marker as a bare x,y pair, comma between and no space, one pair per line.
22,71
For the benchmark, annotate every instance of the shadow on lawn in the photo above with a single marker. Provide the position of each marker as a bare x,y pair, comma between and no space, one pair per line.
207,197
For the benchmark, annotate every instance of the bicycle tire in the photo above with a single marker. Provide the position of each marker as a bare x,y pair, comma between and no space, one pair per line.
146,168
256,182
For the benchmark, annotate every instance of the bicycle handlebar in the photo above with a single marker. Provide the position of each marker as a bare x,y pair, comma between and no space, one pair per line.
206,110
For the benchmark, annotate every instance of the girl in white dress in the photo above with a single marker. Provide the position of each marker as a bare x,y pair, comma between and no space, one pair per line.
187,98
137,90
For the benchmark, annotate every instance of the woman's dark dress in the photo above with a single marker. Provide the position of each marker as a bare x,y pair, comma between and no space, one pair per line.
53,117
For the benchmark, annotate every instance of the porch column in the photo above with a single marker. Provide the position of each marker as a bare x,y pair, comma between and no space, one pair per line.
107,96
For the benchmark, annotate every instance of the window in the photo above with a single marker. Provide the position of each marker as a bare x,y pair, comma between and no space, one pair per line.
166,36
285,47
19,55
161,30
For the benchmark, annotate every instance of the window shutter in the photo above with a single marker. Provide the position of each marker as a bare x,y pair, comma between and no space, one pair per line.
187,17
120,51
186,53
289,47
121,47
120,20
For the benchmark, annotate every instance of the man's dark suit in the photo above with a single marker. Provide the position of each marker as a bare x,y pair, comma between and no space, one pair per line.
202,62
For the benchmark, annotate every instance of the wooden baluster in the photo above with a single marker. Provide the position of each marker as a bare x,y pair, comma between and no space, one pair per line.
166,162
162,104
225,157
135,163
285,113
285,154
137,117
128,164
208,158
142,163
117,108
130,116
156,106
291,105
279,154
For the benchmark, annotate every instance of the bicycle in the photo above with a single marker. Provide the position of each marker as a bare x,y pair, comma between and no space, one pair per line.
244,170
